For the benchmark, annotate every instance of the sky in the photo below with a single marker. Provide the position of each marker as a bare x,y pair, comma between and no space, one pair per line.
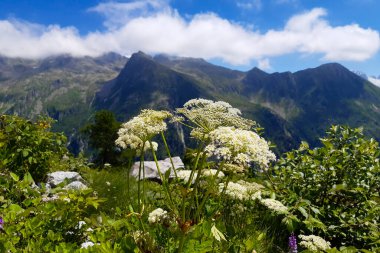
274,35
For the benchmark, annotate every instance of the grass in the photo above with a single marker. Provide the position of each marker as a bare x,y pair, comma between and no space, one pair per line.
113,185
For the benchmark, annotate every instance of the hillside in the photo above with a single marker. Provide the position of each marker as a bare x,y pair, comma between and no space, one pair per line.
61,87
290,106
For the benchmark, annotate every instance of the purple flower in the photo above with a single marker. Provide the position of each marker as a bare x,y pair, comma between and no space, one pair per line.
292,243
1,222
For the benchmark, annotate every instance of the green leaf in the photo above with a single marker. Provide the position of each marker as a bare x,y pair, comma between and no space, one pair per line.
167,174
25,153
217,234
303,211
28,178
14,177
315,210
15,208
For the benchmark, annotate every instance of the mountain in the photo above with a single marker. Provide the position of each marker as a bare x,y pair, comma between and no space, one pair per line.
290,106
62,87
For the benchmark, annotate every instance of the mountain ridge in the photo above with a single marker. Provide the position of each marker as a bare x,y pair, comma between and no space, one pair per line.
291,106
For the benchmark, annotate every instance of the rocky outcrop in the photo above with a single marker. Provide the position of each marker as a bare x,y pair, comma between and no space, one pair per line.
151,171
71,180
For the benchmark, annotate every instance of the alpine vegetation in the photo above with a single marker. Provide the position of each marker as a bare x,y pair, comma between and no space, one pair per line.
231,193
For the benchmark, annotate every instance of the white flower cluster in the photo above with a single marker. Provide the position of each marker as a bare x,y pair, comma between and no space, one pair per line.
212,173
140,237
242,190
239,146
185,174
137,132
314,243
208,115
274,205
158,215
87,244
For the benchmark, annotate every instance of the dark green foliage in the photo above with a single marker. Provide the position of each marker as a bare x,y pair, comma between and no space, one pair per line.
32,223
102,134
334,189
27,146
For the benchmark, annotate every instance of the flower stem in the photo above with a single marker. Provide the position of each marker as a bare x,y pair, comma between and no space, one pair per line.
141,168
205,198
168,151
163,179
181,243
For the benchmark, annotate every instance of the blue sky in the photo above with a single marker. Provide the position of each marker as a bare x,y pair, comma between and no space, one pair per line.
275,35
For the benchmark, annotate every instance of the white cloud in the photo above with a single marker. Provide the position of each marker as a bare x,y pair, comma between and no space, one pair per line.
153,27
264,64
118,14
374,80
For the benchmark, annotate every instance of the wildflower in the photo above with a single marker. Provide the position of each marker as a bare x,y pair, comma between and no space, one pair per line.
158,215
274,205
212,173
242,190
314,243
185,175
292,243
208,115
108,183
1,222
239,146
137,132
87,244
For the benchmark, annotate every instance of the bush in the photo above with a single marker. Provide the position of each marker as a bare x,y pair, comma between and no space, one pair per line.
27,146
334,189
35,222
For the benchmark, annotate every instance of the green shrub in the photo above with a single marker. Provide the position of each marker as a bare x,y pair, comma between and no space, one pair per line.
35,222
334,190
27,146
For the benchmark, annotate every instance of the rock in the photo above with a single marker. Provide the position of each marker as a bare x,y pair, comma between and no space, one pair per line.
58,177
151,171
73,180
76,185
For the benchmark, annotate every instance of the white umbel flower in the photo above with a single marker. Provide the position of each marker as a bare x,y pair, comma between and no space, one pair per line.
137,132
158,215
87,244
208,115
242,190
185,175
274,205
239,146
314,243
212,173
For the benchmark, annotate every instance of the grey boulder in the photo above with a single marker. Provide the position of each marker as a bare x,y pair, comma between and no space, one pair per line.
73,180
151,171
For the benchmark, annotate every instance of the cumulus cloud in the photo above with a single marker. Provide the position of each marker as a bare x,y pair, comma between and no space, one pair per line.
153,27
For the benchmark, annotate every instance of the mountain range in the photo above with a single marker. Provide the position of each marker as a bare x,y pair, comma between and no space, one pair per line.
290,106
